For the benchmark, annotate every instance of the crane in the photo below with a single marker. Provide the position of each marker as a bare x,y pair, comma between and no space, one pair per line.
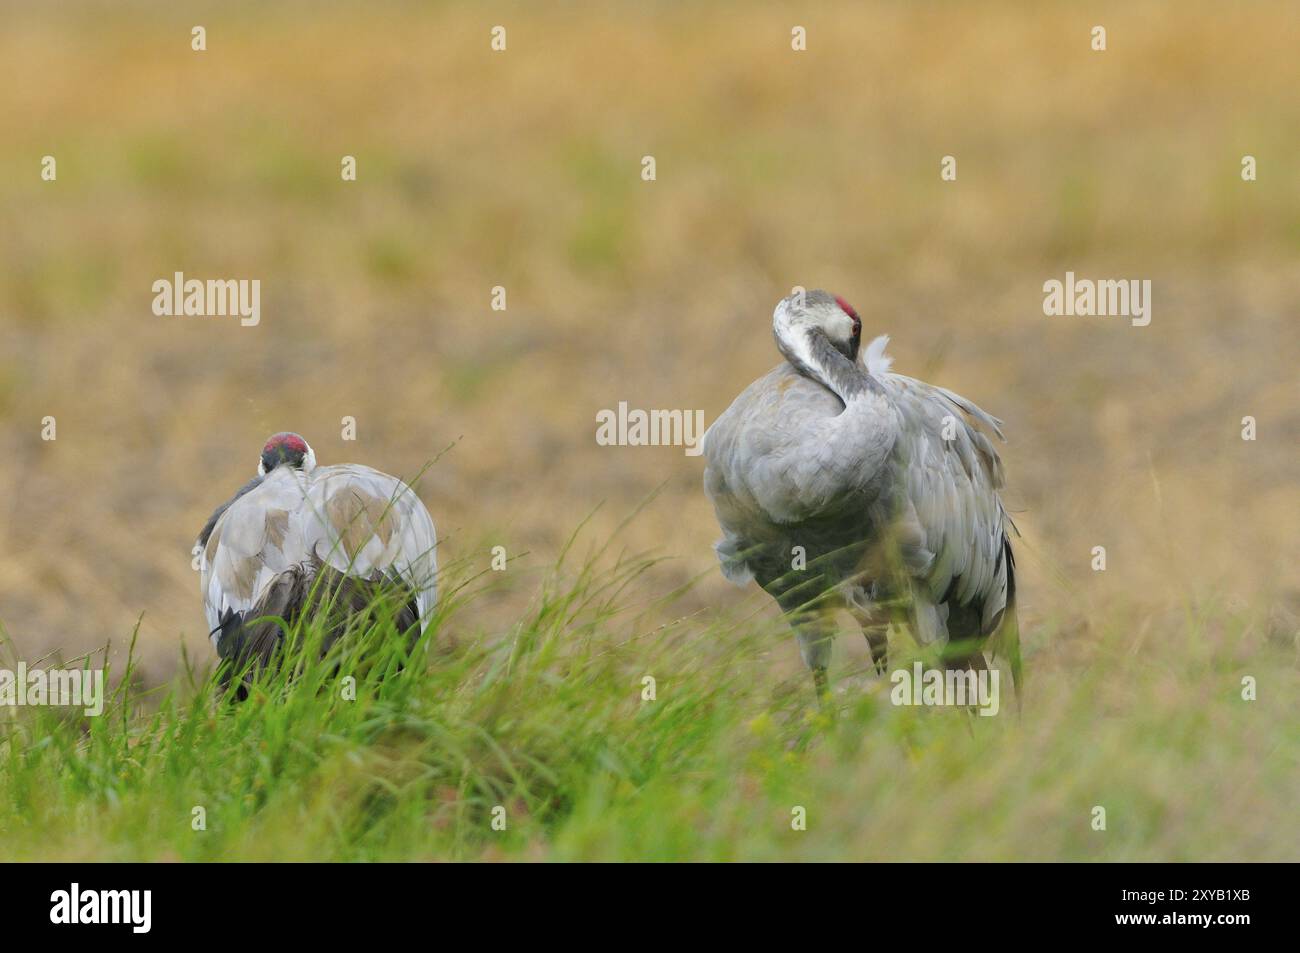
838,484
297,529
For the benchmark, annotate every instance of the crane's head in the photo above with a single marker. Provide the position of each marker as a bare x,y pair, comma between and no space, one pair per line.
816,312
286,449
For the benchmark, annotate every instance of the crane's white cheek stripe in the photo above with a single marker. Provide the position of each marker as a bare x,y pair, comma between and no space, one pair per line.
801,348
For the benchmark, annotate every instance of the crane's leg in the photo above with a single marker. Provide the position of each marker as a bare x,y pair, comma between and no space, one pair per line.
978,666
821,683
963,653
877,638
873,619
815,631
814,627
809,600
954,635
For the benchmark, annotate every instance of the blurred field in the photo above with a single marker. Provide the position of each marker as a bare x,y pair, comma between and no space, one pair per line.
774,168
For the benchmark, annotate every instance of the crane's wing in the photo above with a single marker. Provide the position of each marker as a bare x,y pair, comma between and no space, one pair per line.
355,519
769,464
364,523
252,542
951,526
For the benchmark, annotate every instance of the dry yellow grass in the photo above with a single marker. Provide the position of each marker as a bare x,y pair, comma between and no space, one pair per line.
774,168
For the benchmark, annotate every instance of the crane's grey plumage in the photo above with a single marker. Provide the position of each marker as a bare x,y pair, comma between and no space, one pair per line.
887,484
355,528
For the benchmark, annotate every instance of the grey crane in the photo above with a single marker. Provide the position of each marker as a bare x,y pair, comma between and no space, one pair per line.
840,484
296,531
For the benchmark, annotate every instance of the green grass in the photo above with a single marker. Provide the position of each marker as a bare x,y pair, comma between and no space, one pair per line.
548,723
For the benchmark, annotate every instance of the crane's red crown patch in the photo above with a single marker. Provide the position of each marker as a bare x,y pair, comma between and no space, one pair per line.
290,441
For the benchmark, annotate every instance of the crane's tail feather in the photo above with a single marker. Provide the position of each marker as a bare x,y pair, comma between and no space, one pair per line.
1005,640
874,358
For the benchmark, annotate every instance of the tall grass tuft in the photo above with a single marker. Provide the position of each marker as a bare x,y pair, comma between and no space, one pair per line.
549,742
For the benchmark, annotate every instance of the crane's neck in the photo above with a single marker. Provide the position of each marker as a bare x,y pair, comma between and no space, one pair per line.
811,353
840,456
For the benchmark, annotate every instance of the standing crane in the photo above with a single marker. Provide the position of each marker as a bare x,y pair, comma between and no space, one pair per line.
838,484
297,534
